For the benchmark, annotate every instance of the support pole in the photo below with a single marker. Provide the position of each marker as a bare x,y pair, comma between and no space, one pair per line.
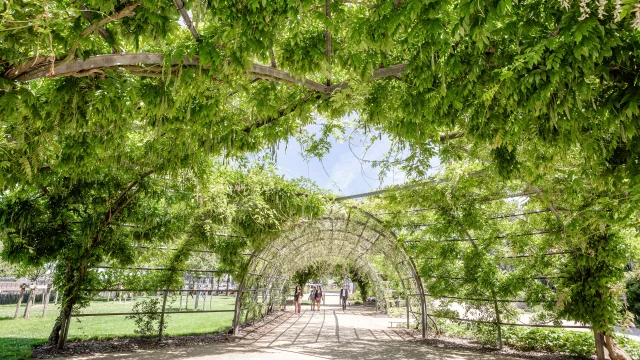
423,300
408,305
495,304
236,314
599,339
164,306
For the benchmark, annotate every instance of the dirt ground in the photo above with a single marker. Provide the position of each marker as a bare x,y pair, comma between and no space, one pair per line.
331,333
327,334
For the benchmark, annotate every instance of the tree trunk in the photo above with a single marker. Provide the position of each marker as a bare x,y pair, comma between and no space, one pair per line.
64,331
228,278
15,316
195,306
74,279
55,332
60,331
30,301
615,352
204,302
55,300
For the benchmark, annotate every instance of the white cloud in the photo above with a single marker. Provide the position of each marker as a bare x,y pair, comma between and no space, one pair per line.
344,172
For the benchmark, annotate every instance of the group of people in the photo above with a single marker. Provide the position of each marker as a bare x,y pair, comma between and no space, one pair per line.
315,297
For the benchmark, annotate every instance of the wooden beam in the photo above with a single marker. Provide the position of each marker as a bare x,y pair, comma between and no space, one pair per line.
42,69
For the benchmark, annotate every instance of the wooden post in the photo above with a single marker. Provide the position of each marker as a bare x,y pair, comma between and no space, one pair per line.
498,323
45,301
197,299
30,300
599,339
22,290
164,306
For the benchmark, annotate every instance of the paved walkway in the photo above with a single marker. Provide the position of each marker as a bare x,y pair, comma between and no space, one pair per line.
326,334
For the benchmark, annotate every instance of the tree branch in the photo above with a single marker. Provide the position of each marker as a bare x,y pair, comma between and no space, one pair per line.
454,135
272,57
283,112
103,33
187,19
127,11
119,205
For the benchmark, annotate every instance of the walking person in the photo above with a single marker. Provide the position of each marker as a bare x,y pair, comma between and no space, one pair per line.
312,297
318,297
344,296
297,299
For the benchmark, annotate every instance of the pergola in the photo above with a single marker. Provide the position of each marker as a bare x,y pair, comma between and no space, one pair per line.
426,73
346,233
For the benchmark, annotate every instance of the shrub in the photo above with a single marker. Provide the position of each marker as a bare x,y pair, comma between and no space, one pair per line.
579,343
147,317
357,302
632,347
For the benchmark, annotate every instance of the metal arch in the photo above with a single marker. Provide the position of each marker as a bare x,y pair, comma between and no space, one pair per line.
324,218
393,249
307,233
372,244
275,266
359,263
406,287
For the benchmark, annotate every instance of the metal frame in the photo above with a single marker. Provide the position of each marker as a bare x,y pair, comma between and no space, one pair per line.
269,262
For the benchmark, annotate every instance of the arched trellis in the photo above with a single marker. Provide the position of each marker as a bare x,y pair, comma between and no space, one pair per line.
346,233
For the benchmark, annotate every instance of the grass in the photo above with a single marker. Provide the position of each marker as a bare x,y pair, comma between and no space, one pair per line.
17,337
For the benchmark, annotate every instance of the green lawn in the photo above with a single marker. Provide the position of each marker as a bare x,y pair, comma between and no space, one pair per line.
17,337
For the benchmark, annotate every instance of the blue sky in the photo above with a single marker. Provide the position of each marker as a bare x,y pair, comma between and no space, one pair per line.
342,170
